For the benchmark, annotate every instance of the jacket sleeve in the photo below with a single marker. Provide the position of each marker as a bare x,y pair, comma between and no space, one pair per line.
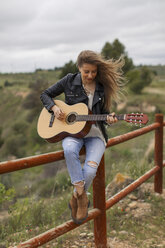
53,91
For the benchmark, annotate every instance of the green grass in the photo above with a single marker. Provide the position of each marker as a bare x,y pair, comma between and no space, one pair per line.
31,216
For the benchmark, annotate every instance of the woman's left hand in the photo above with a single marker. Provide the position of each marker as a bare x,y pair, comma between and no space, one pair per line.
111,118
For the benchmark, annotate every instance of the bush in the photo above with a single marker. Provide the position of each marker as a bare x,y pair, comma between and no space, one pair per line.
33,135
62,181
44,188
15,145
28,213
32,100
6,195
7,84
138,79
29,217
20,127
52,186
134,81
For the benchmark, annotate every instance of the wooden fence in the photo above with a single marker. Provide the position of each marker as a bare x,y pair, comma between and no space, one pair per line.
98,213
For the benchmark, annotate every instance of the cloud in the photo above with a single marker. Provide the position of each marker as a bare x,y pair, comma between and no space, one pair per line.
50,33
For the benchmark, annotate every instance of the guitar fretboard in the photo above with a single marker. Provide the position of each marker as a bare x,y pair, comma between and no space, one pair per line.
96,117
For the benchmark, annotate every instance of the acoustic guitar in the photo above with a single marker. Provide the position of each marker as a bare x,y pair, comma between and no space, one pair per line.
77,121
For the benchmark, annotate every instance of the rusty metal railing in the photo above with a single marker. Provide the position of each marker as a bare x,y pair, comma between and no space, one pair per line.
98,213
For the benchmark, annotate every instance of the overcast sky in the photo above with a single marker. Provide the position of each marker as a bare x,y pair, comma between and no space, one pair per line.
49,33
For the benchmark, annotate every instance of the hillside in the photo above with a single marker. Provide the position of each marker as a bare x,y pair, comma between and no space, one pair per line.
159,69
20,107
42,193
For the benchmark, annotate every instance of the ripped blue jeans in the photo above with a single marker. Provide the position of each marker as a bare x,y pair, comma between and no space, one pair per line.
95,148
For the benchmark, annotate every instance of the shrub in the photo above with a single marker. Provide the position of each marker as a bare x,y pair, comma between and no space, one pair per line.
6,195
20,127
7,83
33,135
45,187
52,186
138,79
28,213
15,145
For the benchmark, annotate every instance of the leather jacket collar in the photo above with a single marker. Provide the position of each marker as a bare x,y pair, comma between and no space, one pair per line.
99,91
77,81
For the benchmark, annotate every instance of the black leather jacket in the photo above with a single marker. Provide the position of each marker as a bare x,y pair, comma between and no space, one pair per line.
71,86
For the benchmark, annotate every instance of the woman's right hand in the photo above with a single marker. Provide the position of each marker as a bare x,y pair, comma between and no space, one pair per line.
59,114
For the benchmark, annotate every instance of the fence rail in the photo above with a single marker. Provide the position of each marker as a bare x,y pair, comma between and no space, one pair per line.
98,213
28,162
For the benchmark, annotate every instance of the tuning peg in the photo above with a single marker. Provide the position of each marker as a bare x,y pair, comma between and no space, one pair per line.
140,123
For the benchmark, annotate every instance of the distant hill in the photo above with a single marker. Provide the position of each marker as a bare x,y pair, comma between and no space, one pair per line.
159,69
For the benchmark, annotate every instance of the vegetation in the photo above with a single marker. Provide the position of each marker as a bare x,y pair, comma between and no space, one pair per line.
114,51
36,199
6,195
139,78
69,67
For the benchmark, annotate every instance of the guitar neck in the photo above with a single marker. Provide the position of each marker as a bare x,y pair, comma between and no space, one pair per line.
97,117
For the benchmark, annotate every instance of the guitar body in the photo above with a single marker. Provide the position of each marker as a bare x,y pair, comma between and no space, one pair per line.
61,129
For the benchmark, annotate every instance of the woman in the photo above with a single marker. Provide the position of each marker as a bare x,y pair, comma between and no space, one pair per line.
97,82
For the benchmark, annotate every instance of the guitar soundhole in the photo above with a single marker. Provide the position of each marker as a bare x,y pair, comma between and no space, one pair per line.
71,118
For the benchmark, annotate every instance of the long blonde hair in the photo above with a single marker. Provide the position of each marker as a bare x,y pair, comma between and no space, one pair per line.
109,74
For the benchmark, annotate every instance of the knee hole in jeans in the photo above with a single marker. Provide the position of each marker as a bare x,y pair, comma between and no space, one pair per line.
92,164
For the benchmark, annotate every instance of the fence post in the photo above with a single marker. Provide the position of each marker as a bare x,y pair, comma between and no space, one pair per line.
100,231
158,179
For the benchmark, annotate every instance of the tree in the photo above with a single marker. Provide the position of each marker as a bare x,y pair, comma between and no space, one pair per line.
117,49
114,51
69,67
107,50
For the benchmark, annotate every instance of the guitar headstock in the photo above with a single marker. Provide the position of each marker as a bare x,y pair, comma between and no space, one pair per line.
136,118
